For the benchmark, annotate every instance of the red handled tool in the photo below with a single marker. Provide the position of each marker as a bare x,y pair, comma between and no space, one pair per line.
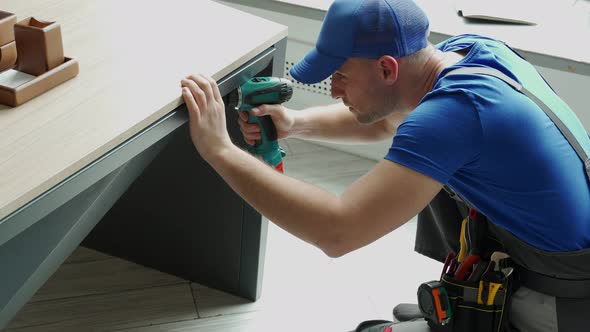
466,266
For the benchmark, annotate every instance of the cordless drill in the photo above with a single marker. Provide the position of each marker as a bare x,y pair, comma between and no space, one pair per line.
258,91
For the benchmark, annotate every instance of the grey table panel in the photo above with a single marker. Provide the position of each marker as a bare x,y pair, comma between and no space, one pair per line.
41,206
181,218
31,257
37,238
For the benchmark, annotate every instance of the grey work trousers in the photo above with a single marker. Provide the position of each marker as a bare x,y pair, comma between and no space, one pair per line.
531,312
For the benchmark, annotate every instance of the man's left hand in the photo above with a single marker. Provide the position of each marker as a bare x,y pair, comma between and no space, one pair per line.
206,115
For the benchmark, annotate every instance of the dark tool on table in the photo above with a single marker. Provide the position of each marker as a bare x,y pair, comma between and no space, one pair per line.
259,91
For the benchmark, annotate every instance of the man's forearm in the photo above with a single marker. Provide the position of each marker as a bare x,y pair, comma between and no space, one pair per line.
303,210
335,123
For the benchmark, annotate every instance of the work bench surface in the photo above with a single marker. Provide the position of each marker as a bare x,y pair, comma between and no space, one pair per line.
132,56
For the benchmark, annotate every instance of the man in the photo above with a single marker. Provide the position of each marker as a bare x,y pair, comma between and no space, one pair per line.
474,133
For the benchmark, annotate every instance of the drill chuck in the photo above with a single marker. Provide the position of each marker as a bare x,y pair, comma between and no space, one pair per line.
234,98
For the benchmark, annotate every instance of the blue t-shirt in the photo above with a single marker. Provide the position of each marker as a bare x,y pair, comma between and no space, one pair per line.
498,150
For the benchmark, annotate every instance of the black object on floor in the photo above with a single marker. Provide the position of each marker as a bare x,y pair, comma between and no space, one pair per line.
404,312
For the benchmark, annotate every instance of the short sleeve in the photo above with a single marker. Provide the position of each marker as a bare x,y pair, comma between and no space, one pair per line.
442,135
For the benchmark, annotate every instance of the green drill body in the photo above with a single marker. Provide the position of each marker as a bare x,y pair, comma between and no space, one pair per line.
259,91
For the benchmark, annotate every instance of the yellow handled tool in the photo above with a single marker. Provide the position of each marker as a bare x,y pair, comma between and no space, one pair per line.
463,242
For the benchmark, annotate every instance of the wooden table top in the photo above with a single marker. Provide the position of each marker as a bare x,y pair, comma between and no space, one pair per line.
132,56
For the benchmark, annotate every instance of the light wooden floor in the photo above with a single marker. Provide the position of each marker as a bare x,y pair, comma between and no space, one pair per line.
303,290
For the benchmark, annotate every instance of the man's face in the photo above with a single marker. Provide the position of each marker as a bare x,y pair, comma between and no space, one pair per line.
359,86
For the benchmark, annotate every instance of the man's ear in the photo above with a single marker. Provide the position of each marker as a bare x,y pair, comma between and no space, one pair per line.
388,68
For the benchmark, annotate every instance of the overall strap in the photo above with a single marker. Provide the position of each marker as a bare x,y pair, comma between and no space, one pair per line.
537,270
563,128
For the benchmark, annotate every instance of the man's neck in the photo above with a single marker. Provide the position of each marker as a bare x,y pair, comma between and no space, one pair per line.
423,74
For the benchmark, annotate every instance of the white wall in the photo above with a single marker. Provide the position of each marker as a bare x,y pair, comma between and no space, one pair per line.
573,88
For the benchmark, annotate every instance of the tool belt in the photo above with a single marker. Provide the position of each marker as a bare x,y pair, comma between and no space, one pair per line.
564,275
475,287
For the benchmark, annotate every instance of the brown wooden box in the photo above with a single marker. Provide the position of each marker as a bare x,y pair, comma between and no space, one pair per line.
7,44
7,22
40,84
39,46
7,56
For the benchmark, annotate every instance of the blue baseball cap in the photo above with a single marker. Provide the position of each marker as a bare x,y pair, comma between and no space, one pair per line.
363,29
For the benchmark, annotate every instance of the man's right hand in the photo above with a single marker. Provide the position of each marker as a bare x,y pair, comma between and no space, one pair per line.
282,118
